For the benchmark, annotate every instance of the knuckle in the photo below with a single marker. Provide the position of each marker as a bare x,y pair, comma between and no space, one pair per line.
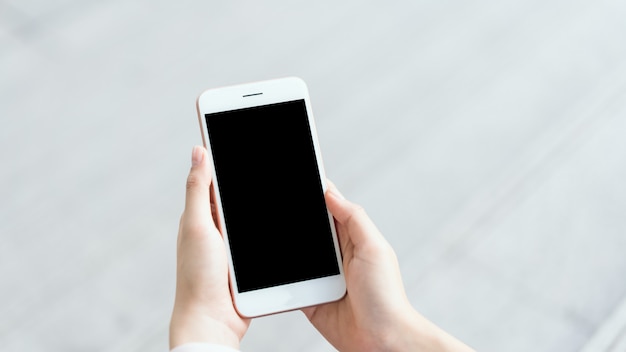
355,213
193,181
195,231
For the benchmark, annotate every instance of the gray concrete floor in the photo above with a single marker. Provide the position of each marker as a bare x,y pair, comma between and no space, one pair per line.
486,139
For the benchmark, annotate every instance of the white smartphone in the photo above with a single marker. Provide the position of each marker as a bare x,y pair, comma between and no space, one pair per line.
268,186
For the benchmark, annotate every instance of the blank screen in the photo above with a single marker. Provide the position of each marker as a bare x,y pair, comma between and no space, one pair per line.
272,198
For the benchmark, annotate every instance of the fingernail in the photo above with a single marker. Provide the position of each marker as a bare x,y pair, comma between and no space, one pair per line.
196,156
335,192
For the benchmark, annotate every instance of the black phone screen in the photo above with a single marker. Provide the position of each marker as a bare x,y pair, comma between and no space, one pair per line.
272,197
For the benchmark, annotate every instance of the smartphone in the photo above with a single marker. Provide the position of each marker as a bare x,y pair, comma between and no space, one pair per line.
268,187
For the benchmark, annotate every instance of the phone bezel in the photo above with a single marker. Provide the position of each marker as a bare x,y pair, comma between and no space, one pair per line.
285,297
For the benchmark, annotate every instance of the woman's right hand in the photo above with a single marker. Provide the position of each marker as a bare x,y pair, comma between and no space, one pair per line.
375,314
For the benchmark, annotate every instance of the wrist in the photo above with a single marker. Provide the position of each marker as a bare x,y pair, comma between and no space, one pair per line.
190,326
416,333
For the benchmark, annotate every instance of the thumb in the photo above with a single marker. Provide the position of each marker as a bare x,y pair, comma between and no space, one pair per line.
359,227
197,200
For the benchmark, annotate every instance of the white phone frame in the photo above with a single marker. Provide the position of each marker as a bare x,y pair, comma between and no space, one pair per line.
291,296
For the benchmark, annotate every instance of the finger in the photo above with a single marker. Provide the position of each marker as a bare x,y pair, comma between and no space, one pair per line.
359,227
331,186
197,200
309,312
341,233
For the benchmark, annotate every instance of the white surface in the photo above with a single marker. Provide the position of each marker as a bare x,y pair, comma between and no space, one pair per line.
485,139
611,335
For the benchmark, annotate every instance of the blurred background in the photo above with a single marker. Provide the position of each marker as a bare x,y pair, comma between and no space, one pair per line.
486,139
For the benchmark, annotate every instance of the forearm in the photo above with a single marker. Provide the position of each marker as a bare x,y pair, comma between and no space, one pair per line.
416,333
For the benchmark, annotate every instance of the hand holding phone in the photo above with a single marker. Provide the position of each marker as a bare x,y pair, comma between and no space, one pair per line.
203,308
374,314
